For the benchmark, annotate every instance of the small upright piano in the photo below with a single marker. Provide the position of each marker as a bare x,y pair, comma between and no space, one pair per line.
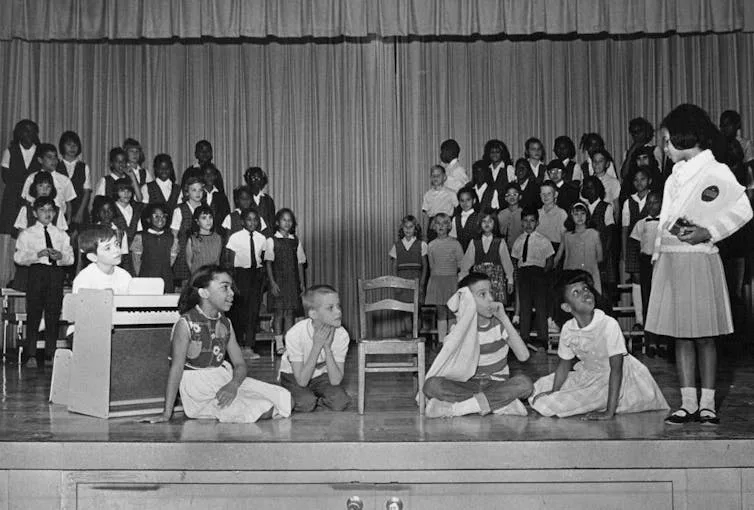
121,346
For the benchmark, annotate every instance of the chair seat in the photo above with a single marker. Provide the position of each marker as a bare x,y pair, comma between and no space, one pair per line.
391,346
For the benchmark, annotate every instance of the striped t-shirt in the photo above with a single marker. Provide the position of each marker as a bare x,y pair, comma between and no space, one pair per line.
493,351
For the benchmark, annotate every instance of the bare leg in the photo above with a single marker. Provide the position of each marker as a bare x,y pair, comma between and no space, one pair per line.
685,362
707,358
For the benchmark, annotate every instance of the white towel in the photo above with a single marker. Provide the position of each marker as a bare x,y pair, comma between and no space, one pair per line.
459,356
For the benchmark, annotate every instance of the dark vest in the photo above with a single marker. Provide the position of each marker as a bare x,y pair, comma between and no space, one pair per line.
155,261
14,178
411,259
635,214
110,186
77,179
501,182
155,195
469,231
485,201
129,228
568,172
597,222
492,256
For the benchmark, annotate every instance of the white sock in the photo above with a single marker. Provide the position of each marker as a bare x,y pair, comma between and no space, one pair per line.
515,408
708,399
688,400
468,406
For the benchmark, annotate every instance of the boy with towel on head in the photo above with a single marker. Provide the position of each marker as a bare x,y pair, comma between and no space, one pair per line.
470,374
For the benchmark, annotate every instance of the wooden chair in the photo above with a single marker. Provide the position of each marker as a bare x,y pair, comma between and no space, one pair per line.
412,347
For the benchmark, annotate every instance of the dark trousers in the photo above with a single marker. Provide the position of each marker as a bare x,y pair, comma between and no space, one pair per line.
44,295
319,391
533,289
244,314
492,394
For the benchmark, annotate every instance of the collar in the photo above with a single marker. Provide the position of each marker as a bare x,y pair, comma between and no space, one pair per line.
31,149
453,162
280,235
260,195
598,316
466,214
684,171
155,232
123,207
199,308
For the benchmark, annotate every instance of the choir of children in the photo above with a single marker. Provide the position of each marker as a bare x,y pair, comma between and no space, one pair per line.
508,235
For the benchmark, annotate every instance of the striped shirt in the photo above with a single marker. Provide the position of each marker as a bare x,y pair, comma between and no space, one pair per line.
493,351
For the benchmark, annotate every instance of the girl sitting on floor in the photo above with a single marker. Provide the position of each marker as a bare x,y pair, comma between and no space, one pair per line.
607,380
212,387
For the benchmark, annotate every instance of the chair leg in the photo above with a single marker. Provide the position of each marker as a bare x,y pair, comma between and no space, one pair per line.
420,376
362,377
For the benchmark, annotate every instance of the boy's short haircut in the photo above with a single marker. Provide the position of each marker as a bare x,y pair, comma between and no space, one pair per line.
451,146
43,201
530,211
513,185
468,190
92,236
245,212
310,295
472,278
655,193
44,148
555,163
437,167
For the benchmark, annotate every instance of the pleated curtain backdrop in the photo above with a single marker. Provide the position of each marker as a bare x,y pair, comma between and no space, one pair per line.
348,129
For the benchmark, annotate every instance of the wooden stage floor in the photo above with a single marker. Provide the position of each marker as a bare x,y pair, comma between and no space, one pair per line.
390,443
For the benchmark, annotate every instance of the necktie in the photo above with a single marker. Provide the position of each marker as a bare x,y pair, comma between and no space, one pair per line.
48,244
526,248
253,251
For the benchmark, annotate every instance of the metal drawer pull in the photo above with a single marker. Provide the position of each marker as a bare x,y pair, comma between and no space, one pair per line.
394,503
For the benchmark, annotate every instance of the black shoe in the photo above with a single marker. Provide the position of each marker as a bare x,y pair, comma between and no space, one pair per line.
710,417
681,419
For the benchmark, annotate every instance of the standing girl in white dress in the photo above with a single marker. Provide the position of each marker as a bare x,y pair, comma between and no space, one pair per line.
702,204
606,380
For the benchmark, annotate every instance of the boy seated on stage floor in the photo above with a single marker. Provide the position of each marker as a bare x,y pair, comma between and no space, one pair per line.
101,246
470,374
313,365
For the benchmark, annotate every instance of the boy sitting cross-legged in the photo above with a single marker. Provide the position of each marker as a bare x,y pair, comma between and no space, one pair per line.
470,374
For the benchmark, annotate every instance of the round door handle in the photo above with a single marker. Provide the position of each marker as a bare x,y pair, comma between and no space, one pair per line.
393,503
354,503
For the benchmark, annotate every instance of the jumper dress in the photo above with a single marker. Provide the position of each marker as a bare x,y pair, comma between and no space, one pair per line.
285,272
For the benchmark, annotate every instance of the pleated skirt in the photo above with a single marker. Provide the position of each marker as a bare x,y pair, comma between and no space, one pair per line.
689,297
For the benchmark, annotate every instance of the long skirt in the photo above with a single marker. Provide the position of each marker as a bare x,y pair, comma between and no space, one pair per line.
587,390
254,398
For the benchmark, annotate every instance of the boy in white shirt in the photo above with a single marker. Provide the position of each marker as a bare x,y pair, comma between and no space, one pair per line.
100,245
314,362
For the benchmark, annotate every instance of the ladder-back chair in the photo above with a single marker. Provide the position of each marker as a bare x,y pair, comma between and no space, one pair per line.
412,347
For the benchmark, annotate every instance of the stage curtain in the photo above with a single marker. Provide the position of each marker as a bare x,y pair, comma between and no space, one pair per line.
186,19
347,131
